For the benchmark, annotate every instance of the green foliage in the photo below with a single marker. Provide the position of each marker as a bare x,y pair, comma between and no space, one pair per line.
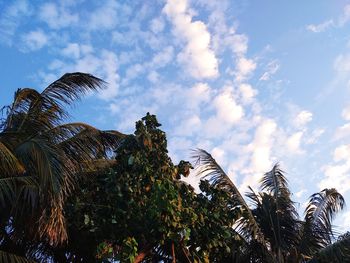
41,160
136,208
273,218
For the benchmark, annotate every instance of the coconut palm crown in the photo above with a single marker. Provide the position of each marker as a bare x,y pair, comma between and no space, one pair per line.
42,158
270,226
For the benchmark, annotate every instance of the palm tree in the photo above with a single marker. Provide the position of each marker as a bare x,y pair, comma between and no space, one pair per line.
271,228
41,160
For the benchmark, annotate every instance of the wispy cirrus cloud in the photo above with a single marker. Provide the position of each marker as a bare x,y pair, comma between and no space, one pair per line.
338,22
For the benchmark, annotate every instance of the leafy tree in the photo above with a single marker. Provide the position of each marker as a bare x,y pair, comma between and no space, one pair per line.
141,211
41,159
271,229
137,210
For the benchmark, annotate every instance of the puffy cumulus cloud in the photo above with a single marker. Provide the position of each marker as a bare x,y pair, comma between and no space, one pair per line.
197,56
302,118
34,40
247,93
337,174
256,157
293,143
341,153
342,131
75,50
227,109
261,146
57,15
244,68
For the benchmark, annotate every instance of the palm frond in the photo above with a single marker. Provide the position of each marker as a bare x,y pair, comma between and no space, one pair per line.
275,182
35,111
319,213
284,220
9,164
209,168
13,258
337,252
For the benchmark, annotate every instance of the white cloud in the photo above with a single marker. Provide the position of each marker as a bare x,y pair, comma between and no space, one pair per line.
197,56
337,174
320,27
163,57
247,93
226,107
345,17
106,16
244,68
261,146
219,155
300,193
157,25
11,17
271,68
198,94
340,21
346,113
57,16
341,153
188,126
342,63
314,136
293,143
302,119
342,131
34,40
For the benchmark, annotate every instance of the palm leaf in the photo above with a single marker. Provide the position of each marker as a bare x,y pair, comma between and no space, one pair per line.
6,257
317,230
337,252
209,168
284,220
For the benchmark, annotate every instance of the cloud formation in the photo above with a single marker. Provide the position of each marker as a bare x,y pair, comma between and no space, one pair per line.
197,56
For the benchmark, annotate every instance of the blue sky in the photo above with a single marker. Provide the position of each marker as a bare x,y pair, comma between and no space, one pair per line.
252,82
